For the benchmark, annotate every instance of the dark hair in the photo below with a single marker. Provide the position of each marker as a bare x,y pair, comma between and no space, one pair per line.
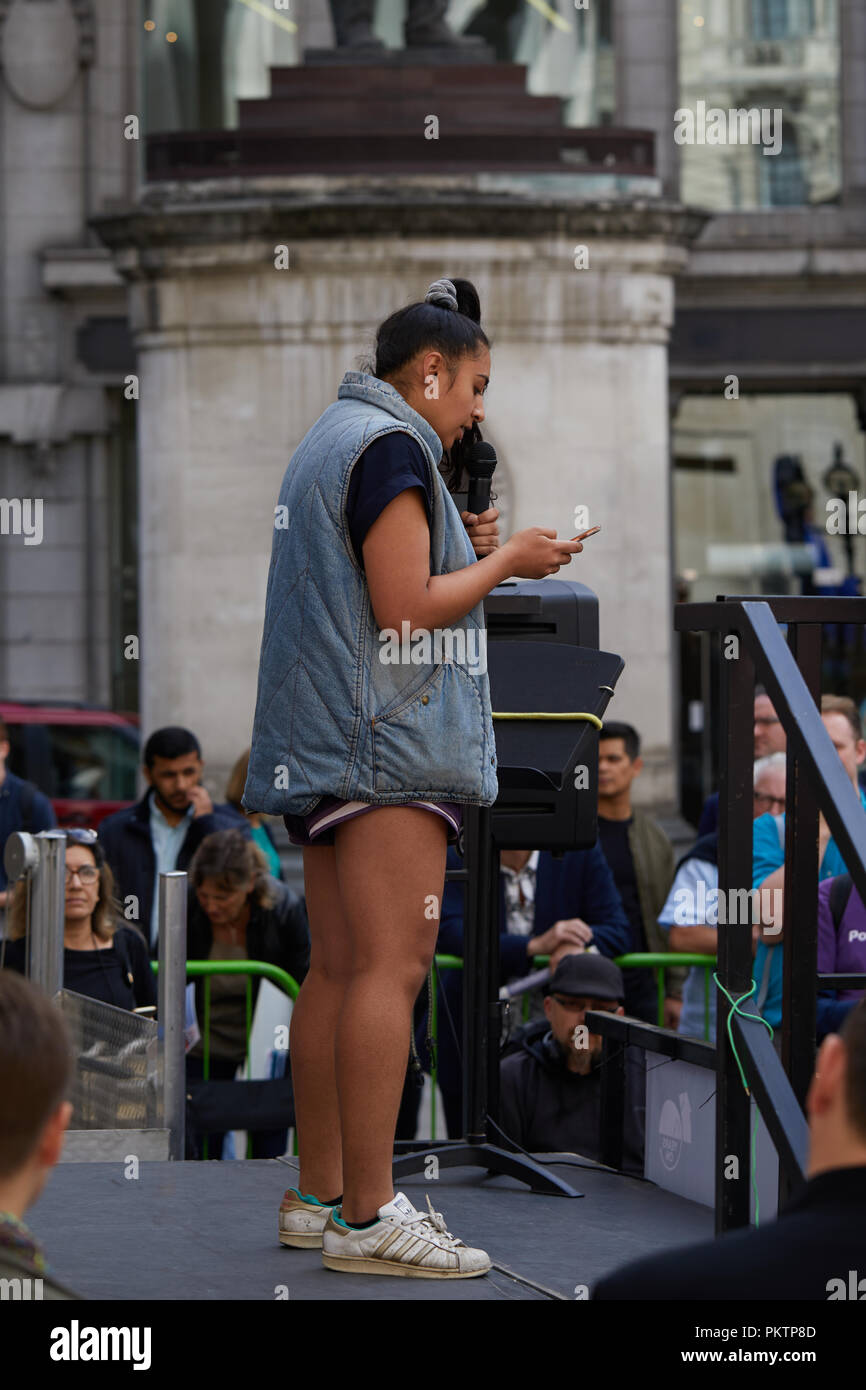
4,732
841,704
35,1065
627,733
455,331
231,860
170,742
853,1035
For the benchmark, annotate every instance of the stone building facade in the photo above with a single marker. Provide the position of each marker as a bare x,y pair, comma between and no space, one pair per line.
157,368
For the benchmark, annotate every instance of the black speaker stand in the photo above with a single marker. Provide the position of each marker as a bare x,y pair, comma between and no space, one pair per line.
481,1029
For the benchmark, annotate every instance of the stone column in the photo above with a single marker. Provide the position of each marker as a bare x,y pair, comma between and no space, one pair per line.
852,104
237,359
647,82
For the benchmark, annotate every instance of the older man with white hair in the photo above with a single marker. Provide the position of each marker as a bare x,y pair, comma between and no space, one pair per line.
684,915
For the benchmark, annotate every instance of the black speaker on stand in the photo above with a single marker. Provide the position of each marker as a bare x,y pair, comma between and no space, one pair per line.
549,687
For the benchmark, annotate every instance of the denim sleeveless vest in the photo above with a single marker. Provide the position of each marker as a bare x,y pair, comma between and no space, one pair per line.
332,717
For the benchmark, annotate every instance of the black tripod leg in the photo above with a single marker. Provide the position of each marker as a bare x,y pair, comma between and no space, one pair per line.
496,1161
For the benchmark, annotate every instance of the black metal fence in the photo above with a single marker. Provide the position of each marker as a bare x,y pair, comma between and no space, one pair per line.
750,647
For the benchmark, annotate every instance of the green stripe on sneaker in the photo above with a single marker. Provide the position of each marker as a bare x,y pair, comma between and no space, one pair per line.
314,1201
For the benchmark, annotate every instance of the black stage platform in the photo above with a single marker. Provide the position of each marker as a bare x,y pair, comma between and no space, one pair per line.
208,1231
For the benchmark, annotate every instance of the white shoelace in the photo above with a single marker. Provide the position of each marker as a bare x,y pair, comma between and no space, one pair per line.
433,1227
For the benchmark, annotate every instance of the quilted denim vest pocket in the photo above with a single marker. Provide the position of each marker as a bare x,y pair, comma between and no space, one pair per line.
436,728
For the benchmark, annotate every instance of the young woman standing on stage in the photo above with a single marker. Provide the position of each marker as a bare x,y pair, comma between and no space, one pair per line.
370,760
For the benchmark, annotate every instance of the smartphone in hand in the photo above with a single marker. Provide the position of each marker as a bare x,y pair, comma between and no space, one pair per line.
583,535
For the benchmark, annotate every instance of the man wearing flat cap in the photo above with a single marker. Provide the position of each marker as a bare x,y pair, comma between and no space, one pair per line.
550,1088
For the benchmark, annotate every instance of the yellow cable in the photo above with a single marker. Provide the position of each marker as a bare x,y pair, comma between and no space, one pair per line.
541,714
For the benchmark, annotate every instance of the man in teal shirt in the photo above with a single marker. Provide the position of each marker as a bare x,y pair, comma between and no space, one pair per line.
842,722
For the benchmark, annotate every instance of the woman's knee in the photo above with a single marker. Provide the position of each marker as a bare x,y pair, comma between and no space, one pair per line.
403,977
328,970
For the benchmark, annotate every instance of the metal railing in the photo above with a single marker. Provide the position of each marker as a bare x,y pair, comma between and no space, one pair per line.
207,969
754,649
40,860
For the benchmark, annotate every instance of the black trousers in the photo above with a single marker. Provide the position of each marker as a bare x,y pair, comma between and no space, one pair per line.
266,1143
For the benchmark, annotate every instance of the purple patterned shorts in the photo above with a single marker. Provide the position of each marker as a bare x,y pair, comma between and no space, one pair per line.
318,826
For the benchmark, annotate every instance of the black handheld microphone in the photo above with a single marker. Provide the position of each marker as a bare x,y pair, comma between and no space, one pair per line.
480,465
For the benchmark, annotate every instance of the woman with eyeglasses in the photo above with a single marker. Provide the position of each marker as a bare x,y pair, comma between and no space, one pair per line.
102,958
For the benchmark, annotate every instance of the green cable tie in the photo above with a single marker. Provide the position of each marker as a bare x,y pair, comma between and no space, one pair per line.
735,1009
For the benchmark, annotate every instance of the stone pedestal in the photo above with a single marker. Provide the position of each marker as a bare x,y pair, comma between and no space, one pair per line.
402,113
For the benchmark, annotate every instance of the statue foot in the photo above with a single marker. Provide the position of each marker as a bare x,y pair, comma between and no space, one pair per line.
360,36
439,35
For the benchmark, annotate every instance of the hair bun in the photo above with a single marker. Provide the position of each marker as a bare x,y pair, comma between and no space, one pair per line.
442,293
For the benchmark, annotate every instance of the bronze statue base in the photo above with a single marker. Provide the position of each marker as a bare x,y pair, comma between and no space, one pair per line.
398,57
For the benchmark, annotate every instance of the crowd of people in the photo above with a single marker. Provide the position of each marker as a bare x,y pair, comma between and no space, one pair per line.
581,911
239,907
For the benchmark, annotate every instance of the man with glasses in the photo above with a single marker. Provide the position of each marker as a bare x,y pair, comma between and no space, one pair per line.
769,738
550,1089
769,780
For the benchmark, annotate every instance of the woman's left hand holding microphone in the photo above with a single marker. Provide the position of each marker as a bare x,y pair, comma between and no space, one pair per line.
482,530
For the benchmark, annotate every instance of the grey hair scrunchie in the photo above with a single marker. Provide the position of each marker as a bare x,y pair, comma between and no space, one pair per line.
442,293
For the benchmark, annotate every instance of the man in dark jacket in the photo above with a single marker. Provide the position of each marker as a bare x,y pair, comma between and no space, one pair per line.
815,1250
547,907
550,1089
163,830
641,859
22,807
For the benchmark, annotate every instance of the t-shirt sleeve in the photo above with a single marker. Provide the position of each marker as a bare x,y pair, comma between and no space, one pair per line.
767,852
386,468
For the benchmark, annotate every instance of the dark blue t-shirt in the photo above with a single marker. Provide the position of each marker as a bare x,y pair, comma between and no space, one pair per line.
386,468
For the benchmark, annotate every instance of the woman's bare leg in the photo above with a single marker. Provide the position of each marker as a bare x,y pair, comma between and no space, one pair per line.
314,1026
391,875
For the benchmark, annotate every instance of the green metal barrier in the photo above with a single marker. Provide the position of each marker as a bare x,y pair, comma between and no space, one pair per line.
659,960
209,968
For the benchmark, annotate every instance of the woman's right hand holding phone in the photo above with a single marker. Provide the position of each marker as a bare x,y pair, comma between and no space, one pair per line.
536,553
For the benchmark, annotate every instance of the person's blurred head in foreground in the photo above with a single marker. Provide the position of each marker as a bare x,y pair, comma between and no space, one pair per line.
35,1065
836,1102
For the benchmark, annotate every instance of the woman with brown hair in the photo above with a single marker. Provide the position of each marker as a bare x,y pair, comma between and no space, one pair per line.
258,826
102,957
239,911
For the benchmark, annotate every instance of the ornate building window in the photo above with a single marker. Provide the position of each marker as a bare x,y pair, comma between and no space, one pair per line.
769,56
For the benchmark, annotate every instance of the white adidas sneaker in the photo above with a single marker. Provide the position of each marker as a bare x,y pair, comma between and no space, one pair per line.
403,1241
302,1220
